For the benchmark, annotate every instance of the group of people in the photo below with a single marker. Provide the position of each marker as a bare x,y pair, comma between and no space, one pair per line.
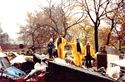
79,52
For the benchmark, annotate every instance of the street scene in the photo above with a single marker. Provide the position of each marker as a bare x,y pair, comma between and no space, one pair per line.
62,41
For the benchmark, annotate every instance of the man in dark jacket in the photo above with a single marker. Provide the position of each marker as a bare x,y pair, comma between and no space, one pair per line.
51,47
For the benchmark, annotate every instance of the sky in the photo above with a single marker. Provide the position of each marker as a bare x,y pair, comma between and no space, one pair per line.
13,13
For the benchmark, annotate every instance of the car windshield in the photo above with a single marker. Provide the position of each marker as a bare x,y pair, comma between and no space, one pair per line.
4,62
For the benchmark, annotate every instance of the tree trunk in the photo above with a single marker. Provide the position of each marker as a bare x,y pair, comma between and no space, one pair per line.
108,38
109,35
65,33
96,38
120,44
33,42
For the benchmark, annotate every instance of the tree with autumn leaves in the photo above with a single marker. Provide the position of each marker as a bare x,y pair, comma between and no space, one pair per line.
78,18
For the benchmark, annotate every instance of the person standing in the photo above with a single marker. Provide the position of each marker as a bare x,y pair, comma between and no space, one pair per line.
89,55
51,47
77,52
60,43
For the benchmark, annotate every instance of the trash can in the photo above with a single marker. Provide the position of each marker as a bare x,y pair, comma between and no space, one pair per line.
101,60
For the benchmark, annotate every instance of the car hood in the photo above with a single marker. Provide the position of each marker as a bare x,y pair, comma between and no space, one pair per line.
15,72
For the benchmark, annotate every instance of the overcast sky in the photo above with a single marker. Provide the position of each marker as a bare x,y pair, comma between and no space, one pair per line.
13,14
